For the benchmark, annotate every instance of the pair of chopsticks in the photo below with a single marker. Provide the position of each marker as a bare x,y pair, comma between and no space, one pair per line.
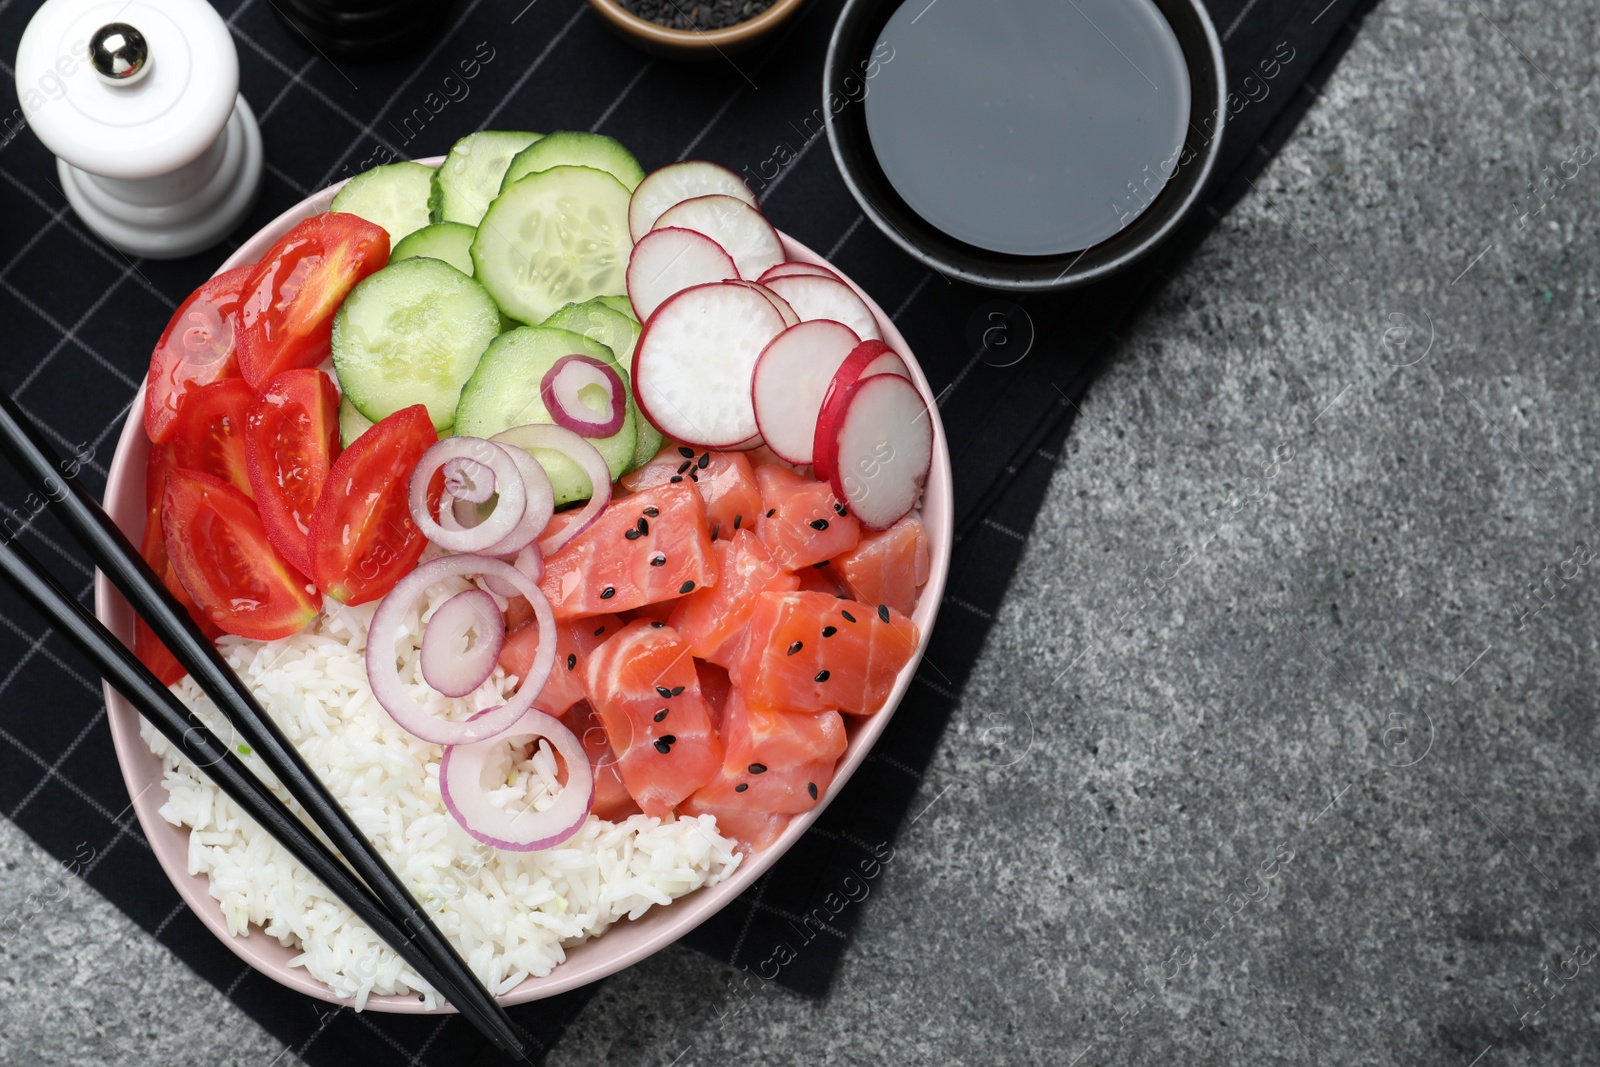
368,886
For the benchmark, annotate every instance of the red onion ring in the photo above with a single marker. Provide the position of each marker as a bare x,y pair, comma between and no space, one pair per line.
509,508
529,562
468,480
523,829
541,504
453,672
388,623
581,452
563,383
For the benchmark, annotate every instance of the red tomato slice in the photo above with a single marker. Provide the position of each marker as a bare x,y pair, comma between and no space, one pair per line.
197,349
153,547
362,539
209,434
286,319
223,558
291,438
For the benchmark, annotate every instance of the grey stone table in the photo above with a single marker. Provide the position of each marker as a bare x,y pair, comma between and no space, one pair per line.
1283,747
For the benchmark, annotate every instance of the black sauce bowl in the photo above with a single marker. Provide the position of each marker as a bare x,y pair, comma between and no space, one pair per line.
846,82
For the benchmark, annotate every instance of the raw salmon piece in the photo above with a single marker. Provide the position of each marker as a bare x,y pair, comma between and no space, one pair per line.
727,484
813,652
714,686
709,618
756,830
822,578
888,567
643,684
604,569
575,640
801,522
775,761
612,801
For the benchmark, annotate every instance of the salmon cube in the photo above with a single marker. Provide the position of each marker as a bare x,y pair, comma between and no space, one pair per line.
727,484
888,567
710,618
812,652
802,523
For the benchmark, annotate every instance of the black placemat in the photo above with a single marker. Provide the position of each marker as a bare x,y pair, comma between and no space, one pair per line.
80,318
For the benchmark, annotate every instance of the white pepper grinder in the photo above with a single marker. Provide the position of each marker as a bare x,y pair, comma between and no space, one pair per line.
139,100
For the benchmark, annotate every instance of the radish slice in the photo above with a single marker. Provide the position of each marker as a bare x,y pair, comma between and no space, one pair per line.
563,389
869,357
676,183
815,297
791,379
454,661
670,260
794,266
389,624
509,508
585,455
692,367
788,313
517,827
882,450
746,446
733,224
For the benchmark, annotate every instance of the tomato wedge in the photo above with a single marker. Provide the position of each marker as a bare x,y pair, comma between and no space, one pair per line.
291,438
221,554
196,349
153,547
362,539
286,319
209,434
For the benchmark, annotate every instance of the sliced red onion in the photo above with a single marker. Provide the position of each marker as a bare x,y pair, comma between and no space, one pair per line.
388,623
529,561
445,665
562,385
518,829
468,480
541,504
581,452
510,504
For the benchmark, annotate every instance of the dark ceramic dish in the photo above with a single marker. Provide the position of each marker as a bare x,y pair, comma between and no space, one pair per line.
858,30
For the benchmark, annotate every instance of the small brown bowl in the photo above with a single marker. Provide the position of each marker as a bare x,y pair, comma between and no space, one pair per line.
658,40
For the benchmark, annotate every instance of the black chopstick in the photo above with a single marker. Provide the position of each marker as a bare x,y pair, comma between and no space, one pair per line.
180,726
111,551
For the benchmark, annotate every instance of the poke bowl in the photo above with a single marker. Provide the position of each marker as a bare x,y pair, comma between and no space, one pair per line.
273,941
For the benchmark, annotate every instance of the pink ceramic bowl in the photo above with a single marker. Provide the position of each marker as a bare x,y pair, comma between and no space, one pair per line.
628,941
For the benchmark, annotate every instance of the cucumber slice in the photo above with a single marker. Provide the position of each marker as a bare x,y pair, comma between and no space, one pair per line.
470,175
504,392
412,334
556,237
598,321
447,241
352,424
619,303
569,148
394,196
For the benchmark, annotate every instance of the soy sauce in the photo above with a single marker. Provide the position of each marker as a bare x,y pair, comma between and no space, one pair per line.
1029,127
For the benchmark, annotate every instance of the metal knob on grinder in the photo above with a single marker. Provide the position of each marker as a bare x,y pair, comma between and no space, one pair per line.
156,150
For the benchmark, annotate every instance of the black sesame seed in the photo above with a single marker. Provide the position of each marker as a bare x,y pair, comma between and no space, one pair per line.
600,631
607,593
758,768
818,524
848,617
652,512
883,612
659,561
829,631
664,743
839,508
705,461
741,787
675,479
685,465
663,692
642,526
662,714
657,623
572,660
685,451
686,587
796,647
632,535
736,520
822,676
811,787
694,476
677,691
716,528
821,565
772,512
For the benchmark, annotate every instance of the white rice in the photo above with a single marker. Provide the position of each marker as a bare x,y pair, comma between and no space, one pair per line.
511,914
